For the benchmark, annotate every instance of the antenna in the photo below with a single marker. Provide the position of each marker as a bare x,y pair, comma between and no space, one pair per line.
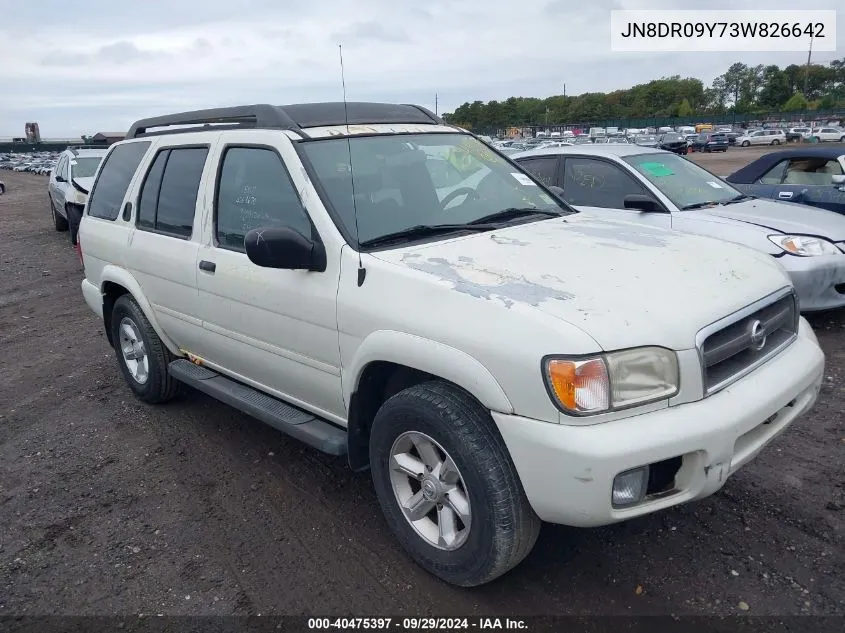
362,272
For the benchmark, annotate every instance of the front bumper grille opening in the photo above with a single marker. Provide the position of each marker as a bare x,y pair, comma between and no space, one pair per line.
661,476
745,341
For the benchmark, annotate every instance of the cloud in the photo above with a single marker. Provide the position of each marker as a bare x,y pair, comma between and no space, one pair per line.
122,66
371,31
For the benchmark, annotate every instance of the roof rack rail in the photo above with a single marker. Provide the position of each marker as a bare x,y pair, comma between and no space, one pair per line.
289,117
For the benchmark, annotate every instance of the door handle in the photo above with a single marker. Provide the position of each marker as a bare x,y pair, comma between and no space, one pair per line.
208,266
784,195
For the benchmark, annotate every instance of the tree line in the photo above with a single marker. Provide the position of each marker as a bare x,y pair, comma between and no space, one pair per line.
741,89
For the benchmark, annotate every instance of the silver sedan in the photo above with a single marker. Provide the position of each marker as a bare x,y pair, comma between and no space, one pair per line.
661,188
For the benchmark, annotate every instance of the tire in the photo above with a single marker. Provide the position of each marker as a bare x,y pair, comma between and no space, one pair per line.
73,219
2,189
841,140
502,526
776,142
158,386
746,143
58,221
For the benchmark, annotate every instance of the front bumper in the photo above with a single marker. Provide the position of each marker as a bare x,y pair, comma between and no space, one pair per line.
819,281
567,471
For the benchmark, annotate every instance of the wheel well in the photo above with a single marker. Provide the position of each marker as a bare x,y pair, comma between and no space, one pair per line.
111,293
379,381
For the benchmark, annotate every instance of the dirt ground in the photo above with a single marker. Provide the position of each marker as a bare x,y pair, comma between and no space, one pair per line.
111,506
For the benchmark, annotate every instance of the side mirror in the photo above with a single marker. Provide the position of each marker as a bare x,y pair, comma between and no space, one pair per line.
60,179
556,190
838,179
284,248
643,203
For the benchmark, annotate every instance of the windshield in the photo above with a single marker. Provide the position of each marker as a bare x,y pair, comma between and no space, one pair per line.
406,180
671,138
84,167
681,180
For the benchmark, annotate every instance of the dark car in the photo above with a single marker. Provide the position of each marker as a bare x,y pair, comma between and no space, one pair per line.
710,142
732,136
813,176
673,142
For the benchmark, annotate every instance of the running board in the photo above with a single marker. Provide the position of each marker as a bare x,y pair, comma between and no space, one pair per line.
284,417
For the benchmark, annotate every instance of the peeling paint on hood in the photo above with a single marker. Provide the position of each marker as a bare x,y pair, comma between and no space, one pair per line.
624,284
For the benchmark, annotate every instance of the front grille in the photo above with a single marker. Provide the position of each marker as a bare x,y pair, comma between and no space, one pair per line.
738,344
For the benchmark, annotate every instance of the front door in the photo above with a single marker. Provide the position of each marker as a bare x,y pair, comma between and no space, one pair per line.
275,329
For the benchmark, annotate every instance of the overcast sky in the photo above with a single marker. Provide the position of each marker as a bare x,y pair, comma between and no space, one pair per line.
88,65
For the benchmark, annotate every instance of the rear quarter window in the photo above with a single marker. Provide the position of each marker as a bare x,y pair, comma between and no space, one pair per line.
113,180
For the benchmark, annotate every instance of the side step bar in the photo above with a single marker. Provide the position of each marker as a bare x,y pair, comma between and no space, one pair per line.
284,417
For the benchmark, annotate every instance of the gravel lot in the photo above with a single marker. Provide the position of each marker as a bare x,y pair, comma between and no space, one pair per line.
111,506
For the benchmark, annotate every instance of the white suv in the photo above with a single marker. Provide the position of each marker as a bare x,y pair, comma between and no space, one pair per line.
69,184
762,137
493,356
833,134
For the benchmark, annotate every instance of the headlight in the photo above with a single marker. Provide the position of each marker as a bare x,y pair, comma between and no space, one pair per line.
804,245
618,380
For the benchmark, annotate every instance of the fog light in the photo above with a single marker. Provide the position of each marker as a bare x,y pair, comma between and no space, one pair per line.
630,487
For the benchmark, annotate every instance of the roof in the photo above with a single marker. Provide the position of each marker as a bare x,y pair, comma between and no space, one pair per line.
601,149
755,169
295,117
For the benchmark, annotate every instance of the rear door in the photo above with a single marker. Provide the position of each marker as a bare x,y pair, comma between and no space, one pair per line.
165,236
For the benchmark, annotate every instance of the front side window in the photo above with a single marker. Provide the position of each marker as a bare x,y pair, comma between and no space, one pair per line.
775,175
407,180
255,191
113,180
686,184
596,183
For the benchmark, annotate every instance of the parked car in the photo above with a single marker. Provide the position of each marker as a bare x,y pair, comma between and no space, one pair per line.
832,134
762,137
666,190
368,321
710,142
69,184
673,142
813,176
797,133
732,136
646,140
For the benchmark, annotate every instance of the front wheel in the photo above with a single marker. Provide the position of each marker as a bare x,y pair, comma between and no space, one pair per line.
142,357
447,486
746,143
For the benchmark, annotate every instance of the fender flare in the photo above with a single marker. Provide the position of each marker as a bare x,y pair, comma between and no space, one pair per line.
429,356
122,277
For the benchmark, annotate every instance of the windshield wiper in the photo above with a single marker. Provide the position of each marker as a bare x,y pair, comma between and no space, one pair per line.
699,205
740,198
424,230
513,212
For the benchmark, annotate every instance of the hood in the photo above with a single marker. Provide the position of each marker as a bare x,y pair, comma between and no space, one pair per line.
623,284
785,217
83,185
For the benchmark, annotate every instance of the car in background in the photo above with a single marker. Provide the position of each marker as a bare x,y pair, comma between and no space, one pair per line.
808,175
673,142
762,137
2,188
732,136
646,140
830,134
710,142
797,133
662,189
69,184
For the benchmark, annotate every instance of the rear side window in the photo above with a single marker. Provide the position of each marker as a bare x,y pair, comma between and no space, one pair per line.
543,169
169,195
114,178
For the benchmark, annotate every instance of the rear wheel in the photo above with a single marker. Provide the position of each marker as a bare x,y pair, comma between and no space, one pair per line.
776,142
142,357
447,486
58,221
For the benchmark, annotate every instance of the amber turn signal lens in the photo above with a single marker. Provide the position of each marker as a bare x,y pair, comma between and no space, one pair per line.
580,386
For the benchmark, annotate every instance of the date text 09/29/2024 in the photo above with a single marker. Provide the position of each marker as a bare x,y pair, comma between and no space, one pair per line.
417,624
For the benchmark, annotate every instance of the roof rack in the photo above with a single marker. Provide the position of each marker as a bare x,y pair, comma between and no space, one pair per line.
289,117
